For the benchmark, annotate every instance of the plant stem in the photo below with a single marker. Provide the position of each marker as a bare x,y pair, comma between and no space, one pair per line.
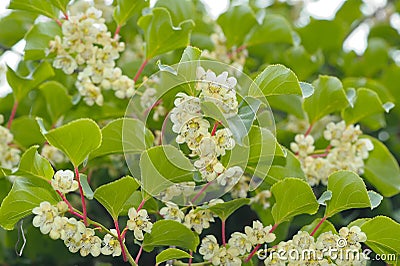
138,255
216,124
200,192
191,258
259,245
141,205
223,232
13,112
70,208
117,31
82,196
308,130
147,111
58,22
318,225
120,240
140,70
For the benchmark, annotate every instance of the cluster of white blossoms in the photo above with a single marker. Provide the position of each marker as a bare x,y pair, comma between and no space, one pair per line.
64,181
346,151
139,222
328,249
88,48
9,156
53,154
234,56
238,245
193,128
149,101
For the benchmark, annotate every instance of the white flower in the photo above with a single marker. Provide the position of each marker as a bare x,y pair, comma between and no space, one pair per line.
90,243
63,181
353,236
240,241
230,176
5,135
124,87
303,145
172,212
193,129
9,157
302,240
139,222
209,247
227,257
111,245
363,147
262,198
198,220
92,93
185,188
327,240
209,170
53,154
275,260
334,132
66,63
72,232
258,234
240,189
45,215
62,207
224,141
58,227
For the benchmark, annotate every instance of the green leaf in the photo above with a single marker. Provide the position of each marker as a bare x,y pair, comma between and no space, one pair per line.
179,10
274,29
328,97
87,190
366,103
32,164
14,27
383,235
160,35
374,198
60,4
170,233
189,62
276,80
124,135
290,104
224,210
26,194
58,102
42,7
136,198
22,85
126,9
114,195
382,170
171,254
292,197
38,38
236,23
26,131
76,139
325,227
161,166
348,192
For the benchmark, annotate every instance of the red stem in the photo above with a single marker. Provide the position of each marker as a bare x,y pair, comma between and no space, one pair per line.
120,240
138,255
191,258
124,232
58,22
140,70
223,232
319,155
13,112
259,245
141,205
66,16
200,192
216,124
82,196
308,130
117,31
318,225
145,112
70,208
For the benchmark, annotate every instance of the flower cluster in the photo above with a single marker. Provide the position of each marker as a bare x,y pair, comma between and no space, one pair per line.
9,156
238,245
328,249
235,56
346,151
88,48
193,128
64,181
139,222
